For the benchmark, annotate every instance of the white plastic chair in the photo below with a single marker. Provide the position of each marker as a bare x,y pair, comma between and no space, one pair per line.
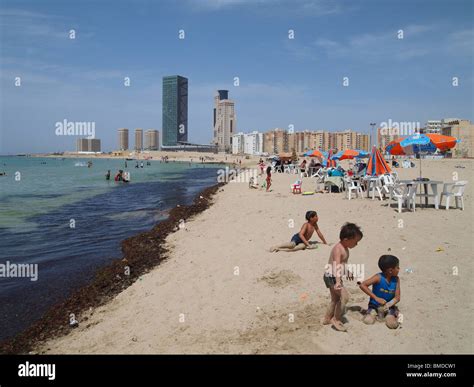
352,186
387,182
403,194
375,186
455,190
395,177
320,174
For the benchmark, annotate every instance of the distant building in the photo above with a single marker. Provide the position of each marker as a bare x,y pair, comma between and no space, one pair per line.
345,140
175,110
300,141
463,130
123,139
238,142
253,143
152,140
88,145
138,139
317,141
247,143
362,142
224,121
436,126
329,139
280,140
433,126
276,141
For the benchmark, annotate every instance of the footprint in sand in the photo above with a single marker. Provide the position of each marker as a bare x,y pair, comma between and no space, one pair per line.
280,278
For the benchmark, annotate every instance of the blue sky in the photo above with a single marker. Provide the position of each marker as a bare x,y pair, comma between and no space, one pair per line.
282,81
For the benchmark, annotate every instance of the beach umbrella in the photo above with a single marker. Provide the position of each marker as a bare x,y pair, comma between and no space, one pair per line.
349,154
418,143
362,154
329,162
317,153
441,142
377,165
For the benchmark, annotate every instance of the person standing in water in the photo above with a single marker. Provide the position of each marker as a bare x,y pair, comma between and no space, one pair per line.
107,176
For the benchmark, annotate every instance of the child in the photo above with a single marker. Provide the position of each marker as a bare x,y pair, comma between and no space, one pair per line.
269,177
300,241
385,292
253,183
349,236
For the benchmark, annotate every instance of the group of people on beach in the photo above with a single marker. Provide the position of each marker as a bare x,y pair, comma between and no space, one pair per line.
382,288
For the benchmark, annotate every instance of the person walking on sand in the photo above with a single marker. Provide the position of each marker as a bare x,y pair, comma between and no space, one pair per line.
349,237
300,241
269,178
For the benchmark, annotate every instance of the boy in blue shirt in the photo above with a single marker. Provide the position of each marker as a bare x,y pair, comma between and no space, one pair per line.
385,293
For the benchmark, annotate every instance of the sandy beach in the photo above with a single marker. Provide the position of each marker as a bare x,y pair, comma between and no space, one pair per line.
179,156
220,290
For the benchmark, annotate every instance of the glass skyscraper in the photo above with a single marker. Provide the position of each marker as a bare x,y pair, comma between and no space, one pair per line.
175,110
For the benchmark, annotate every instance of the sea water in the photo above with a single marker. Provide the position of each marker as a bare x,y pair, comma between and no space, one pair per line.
69,220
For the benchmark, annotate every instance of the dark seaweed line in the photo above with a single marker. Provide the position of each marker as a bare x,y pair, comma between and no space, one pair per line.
141,253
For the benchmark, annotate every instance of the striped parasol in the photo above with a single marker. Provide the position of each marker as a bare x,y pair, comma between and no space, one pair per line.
329,162
377,165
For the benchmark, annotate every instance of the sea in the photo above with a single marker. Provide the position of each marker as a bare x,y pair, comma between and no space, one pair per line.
66,218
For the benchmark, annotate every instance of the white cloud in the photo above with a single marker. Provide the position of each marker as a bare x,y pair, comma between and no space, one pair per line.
298,7
18,23
385,45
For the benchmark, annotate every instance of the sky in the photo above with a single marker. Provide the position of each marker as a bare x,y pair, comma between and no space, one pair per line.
282,81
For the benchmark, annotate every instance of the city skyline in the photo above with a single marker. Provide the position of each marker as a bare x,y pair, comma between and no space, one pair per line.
275,81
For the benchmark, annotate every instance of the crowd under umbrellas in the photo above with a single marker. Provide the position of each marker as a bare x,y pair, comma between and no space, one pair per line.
377,178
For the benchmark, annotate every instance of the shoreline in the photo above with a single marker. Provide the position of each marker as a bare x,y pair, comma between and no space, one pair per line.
140,254
179,156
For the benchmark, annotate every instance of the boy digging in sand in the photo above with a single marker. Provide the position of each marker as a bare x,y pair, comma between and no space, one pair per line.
385,292
300,241
349,236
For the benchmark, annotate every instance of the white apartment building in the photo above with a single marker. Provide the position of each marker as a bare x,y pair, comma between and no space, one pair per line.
436,126
433,126
247,143
253,143
238,143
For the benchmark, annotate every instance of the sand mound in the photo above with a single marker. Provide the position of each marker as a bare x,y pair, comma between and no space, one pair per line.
280,278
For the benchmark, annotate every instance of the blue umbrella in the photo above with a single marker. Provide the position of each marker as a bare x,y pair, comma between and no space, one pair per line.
417,143
362,154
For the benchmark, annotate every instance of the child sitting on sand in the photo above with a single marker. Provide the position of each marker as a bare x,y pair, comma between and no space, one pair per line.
385,292
349,236
300,241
